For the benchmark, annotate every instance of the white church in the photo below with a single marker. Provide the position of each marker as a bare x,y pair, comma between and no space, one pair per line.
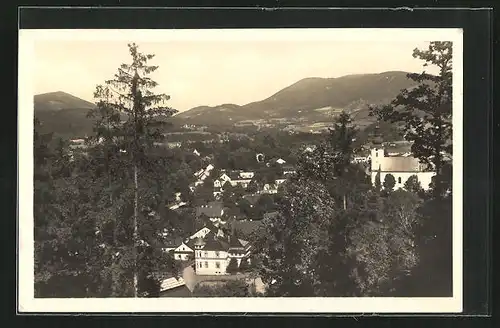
399,166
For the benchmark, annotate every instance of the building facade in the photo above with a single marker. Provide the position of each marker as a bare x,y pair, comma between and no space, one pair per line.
400,167
213,253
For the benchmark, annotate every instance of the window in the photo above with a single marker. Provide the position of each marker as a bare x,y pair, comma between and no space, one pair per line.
217,265
217,254
178,256
200,265
205,254
399,180
206,264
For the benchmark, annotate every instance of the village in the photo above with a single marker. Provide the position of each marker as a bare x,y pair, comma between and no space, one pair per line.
217,251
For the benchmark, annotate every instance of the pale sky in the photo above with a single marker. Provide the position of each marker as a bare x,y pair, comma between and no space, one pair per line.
211,73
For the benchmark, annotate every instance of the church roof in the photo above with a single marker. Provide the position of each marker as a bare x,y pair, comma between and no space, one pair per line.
400,164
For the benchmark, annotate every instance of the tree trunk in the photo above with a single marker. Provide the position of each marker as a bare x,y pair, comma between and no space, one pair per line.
134,238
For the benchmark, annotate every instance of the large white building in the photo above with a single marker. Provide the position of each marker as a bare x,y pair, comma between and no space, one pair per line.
399,166
214,252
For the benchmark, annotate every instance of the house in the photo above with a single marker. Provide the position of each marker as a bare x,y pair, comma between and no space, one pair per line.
214,252
204,173
278,182
246,228
234,178
280,161
270,188
400,166
221,180
174,144
247,175
360,159
238,179
196,152
213,211
171,244
184,252
288,170
204,230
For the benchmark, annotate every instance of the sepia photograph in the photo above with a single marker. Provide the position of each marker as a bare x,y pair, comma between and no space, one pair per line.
257,170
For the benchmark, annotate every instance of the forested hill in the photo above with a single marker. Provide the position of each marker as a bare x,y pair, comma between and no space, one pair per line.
310,100
63,114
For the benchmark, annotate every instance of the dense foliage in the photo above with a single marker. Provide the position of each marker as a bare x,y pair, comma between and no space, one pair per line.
100,212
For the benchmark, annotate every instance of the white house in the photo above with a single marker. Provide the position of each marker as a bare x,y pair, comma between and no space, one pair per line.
184,251
204,173
280,161
234,178
215,251
213,210
401,167
247,175
279,181
270,189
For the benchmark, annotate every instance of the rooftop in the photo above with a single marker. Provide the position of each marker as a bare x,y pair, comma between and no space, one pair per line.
212,209
400,164
171,283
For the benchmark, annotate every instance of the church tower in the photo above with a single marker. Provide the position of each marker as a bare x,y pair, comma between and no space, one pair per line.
377,151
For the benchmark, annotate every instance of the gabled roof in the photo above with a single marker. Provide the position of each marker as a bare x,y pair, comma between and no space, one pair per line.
172,242
212,209
212,243
235,243
206,224
252,199
247,227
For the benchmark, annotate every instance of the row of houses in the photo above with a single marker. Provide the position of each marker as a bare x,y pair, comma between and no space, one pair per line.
244,178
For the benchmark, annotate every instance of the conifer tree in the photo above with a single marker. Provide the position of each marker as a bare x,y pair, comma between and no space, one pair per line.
389,182
130,94
378,183
426,112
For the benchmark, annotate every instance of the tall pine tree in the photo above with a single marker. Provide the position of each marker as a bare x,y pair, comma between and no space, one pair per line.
426,112
130,94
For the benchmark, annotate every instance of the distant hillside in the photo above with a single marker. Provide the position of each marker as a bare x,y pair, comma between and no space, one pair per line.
63,114
309,100
54,101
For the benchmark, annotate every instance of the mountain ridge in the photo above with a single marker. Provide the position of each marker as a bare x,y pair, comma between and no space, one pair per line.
312,101
309,99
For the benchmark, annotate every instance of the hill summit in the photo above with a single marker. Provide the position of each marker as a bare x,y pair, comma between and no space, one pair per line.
309,100
53,101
